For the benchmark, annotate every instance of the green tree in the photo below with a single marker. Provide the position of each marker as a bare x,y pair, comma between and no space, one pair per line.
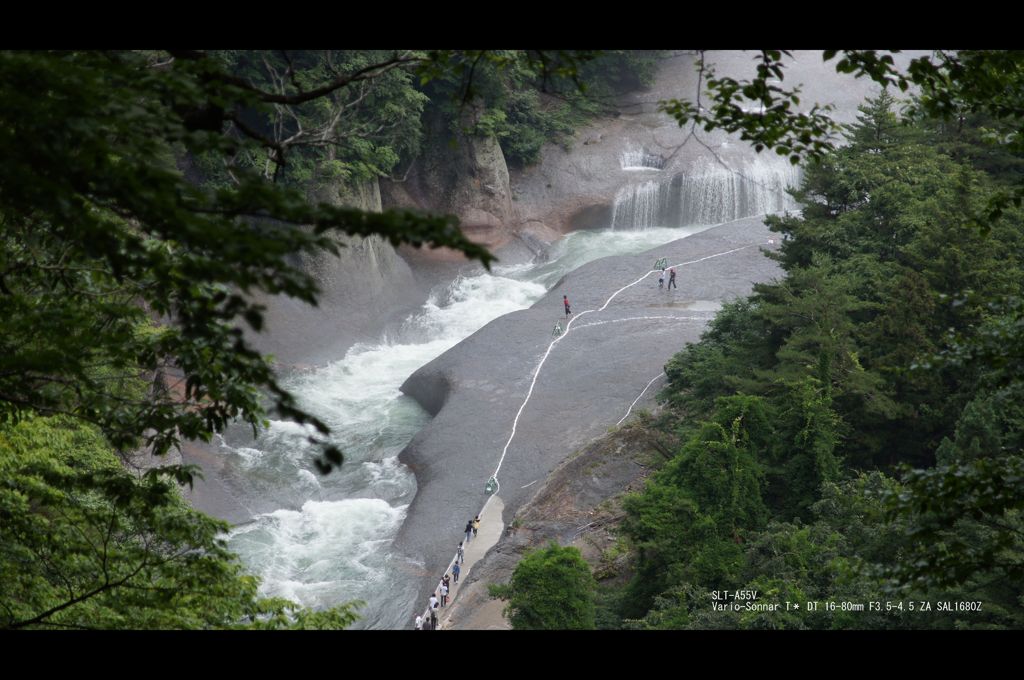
101,231
894,339
690,521
732,348
808,433
86,544
348,135
526,99
551,589
147,199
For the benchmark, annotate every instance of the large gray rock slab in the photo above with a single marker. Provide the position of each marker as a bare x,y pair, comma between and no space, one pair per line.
589,379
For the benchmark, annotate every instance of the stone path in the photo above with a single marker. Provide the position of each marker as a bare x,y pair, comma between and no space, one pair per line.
491,529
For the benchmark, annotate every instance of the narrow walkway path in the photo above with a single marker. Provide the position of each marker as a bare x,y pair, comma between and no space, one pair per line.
491,529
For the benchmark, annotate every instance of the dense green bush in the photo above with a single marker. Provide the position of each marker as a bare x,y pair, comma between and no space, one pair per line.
551,589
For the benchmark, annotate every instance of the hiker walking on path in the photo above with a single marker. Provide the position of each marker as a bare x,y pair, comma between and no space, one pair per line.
672,278
469,531
460,554
433,611
476,525
444,595
565,301
419,622
456,570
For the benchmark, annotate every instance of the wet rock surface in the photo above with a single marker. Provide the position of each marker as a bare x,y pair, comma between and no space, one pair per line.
591,376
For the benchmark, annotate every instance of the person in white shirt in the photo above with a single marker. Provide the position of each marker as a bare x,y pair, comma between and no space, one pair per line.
433,611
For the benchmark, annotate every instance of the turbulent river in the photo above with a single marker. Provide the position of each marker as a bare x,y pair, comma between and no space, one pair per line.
329,539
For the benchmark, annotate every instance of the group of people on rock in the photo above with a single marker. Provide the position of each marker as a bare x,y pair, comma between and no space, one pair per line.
439,598
671,278
661,284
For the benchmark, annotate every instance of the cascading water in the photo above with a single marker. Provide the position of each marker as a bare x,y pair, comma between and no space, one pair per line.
323,540
635,157
716,193
709,193
641,206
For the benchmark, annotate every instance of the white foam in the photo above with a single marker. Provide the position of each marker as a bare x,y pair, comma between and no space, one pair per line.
470,302
323,554
634,157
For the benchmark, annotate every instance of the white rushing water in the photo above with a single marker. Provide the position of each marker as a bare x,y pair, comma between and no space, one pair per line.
709,193
323,540
634,157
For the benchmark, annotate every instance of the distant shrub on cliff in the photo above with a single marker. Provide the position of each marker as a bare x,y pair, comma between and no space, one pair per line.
551,589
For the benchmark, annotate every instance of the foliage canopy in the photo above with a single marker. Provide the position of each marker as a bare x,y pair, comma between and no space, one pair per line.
887,351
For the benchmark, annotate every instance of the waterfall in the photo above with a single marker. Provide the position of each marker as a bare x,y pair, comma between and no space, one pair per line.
708,194
640,206
712,193
635,157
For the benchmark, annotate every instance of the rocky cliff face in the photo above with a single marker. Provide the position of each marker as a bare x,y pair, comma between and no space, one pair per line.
362,289
461,175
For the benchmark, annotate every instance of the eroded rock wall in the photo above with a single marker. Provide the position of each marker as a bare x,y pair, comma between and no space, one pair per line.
361,290
461,175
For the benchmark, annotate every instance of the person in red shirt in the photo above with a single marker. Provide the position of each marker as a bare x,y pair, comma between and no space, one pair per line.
565,300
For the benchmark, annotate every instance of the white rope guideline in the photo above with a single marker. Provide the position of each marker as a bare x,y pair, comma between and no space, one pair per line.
568,329
638,398
644,318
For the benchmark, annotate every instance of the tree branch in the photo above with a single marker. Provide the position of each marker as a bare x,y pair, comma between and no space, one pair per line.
365,73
